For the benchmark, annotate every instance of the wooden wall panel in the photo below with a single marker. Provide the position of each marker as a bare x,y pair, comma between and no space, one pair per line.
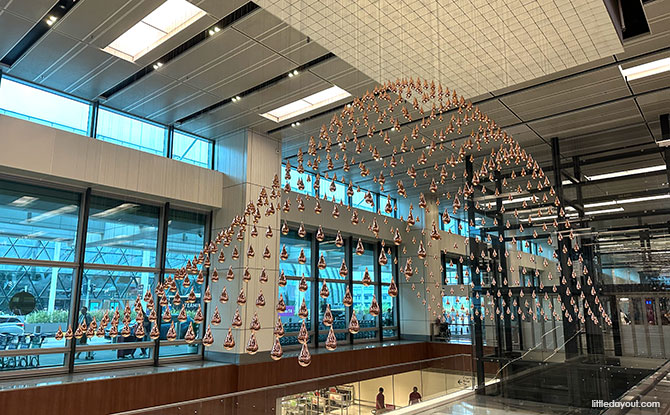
106,396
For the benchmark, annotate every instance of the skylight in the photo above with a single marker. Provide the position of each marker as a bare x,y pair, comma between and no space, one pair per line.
158,26
307,104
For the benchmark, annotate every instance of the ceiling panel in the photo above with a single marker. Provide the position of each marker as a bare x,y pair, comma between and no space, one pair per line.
31,10
568,94
13,29
586,121
217,8
248,65
49,52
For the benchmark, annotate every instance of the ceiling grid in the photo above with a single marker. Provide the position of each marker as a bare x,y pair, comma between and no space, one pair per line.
487,45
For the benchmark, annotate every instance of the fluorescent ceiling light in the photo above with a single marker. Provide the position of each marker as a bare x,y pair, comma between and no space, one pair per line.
647,69
625,201
114,210
631,172
307,104
600,204
598,212
517,200
50,214
23,201
158,26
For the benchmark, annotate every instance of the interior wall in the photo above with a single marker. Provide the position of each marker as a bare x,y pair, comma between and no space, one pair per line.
51,155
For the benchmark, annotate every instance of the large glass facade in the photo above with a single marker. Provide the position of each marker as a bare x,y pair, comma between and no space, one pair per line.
361,289
131,132
120,263
191,149
339,194
20,99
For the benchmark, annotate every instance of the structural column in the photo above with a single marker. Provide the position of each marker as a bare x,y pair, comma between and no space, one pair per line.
249,161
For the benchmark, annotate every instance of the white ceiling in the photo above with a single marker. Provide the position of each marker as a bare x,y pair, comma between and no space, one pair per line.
475,46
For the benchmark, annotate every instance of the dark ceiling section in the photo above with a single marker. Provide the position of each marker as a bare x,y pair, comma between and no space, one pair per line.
40,28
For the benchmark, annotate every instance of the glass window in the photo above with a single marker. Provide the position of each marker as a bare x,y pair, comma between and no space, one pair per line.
37,223
387,270
333,256
456,313
293,298
130,132
121,233
308,189
450,272
294,243
382,206
104,290
358,201
191,149
361,262
362,300
32,322
389,316
185,237
339,311
340,193
37,105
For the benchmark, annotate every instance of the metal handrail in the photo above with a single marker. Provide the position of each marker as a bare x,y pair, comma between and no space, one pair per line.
284,385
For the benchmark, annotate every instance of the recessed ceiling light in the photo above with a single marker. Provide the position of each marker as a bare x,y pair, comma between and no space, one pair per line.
167,20
307,104
157,65
647,69
235,98
51,20
312,102
631,172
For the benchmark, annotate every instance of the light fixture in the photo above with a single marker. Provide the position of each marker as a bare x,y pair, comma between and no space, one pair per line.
214,30
157,65
165,21
625,201
647,69
312,102
51,20
50,214
295,124
598,212
517,200
113,211
235,98
630,172
23,201
293,73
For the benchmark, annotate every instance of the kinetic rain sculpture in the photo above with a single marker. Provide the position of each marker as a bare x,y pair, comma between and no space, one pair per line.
374,114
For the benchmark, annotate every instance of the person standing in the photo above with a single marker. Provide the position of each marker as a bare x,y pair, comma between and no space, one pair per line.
415,396
380,406
87,319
